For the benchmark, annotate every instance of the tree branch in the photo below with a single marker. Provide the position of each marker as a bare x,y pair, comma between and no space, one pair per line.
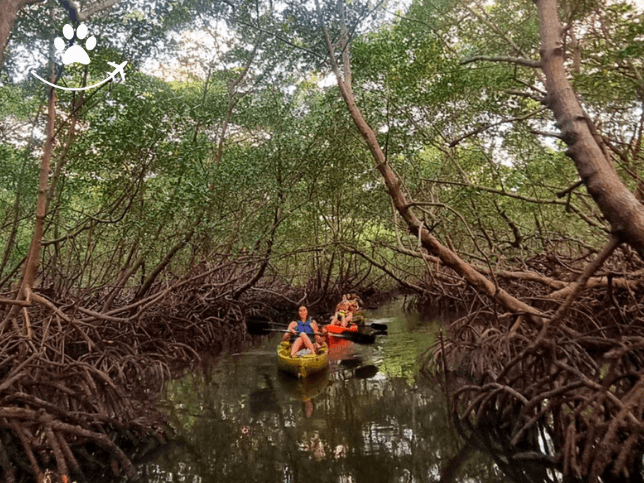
76,14
504,121
572,207
620,207
535,64
576,287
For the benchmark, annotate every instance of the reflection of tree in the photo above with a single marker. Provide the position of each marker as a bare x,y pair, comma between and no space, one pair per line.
244,424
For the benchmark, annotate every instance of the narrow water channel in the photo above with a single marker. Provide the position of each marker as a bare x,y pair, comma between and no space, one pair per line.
369,418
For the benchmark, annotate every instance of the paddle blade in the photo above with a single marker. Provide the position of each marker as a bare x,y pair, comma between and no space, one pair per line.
378,326
351,363
366,372
258,329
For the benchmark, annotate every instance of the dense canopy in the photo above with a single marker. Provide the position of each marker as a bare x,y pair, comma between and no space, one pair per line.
256,153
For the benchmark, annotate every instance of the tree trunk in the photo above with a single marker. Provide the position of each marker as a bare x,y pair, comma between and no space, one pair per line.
33,259
147,284
8,13
30,267
620,207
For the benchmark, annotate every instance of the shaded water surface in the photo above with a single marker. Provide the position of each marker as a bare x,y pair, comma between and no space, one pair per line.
367,419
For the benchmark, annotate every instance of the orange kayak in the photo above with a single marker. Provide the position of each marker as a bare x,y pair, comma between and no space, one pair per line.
338,329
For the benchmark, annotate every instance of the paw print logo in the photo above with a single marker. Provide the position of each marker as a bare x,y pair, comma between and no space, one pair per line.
75,53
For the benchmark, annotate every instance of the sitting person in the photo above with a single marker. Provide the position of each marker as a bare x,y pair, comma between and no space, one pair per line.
307,328
341,318
354,302
343,315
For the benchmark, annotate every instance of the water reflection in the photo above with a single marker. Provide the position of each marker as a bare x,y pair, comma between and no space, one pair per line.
365,419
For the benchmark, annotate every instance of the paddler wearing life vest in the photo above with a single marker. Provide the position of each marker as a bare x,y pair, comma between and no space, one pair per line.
308,329
343,314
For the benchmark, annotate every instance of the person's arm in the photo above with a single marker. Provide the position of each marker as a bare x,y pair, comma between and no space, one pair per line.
316,331
291,331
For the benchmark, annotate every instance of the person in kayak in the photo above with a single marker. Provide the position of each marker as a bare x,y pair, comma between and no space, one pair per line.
340,318
354,302
306,328
343,315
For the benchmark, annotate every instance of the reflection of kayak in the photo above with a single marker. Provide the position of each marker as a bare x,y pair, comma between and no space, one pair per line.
339,348
301,366
305,389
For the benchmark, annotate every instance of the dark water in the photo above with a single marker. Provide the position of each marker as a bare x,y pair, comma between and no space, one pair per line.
369,418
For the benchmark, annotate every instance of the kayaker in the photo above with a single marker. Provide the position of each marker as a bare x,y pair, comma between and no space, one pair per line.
340,318
308,329
343,315
354,303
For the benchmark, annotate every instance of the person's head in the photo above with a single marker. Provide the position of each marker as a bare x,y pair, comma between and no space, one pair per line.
304,313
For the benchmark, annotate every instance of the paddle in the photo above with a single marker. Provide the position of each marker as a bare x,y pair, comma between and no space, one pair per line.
369,337
373,325
377,326
357,337
351,363
360,372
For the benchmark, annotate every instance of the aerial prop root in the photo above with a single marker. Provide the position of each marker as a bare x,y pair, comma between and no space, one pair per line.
558,388
26,424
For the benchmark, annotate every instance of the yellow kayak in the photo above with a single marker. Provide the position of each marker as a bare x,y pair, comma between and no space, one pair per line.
301,366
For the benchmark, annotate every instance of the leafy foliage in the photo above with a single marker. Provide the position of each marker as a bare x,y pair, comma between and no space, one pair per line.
141,168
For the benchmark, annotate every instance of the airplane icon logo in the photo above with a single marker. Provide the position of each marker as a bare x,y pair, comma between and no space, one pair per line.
118,69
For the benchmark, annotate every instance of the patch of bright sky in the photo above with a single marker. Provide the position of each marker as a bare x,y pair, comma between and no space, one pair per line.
205,46
201,50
